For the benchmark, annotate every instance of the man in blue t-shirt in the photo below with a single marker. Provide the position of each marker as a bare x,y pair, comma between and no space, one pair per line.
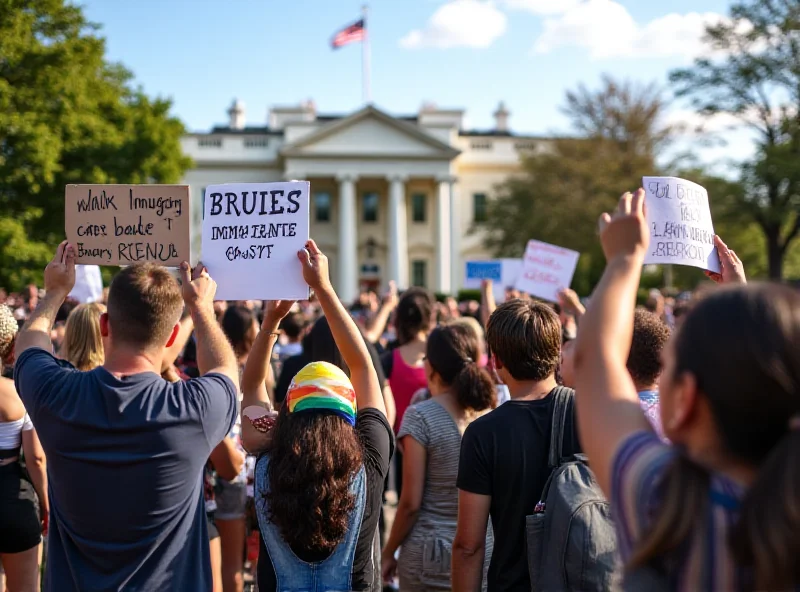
125,448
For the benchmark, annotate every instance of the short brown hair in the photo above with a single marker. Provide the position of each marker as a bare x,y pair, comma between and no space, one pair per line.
525,336
144,303
650,335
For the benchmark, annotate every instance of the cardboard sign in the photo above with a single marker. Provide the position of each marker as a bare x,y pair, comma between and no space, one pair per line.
126,224
251,235
502,272
546,269
681,231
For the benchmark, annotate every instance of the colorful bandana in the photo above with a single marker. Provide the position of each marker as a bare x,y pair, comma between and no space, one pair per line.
321,386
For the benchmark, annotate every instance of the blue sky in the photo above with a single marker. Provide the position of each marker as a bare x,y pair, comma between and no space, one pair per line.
458,53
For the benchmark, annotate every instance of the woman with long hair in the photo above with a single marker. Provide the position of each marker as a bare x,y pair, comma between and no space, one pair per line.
23,496
319,487
718,508
230,495
83,343
425,523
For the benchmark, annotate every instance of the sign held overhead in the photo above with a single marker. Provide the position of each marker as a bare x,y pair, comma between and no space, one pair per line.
546,269
126,224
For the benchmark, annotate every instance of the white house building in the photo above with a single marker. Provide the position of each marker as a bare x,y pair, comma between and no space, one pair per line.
393,198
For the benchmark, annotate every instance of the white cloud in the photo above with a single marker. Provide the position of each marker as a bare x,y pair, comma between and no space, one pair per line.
459,23
607,30
541,6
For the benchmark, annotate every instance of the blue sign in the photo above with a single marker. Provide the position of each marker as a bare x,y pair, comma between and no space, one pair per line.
485,270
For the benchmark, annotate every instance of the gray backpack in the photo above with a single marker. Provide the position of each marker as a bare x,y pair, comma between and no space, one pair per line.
571,542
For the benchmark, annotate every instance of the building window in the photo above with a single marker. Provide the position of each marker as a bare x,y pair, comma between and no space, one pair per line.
481,145
370,205
209,142
419,207
322,207
419,273
256,143
479,213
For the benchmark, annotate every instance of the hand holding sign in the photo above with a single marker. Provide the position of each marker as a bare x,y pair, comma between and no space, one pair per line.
59,275
315,267
732,268
198,289
546,269
625,234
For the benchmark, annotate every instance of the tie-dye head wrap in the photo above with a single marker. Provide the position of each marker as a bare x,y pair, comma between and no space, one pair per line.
321,386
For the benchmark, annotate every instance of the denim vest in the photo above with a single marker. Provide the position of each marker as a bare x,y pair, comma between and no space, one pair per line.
292,574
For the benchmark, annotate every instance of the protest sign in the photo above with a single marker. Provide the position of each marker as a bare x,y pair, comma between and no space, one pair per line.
88,284
546,269
251,235
679,219
126,224
502,272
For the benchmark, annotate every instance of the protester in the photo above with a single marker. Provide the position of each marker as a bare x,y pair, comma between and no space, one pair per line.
430,436
717,509
24,504
650,337
292,328
504,454
319,488
125,448
83,344
240,327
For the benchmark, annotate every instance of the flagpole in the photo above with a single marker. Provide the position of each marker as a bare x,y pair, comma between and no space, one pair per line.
365,60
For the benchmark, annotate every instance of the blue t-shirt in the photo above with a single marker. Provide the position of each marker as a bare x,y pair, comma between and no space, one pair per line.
125,459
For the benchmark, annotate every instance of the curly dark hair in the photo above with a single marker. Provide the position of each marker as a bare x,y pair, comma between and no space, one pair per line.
650,336
313,461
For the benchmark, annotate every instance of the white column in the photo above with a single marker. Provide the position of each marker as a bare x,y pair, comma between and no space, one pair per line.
456,266
443,262
347,287
398,232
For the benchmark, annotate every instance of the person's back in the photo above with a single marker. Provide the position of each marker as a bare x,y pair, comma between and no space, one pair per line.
504,454
127,448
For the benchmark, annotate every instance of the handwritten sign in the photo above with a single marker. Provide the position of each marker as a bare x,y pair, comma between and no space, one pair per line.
126,224
681,231
251,235
502,272
546,269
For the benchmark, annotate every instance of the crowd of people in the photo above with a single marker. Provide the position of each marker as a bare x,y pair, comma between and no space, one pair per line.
163,440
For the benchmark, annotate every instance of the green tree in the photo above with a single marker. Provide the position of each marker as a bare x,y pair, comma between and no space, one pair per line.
756,78
67,115
567,184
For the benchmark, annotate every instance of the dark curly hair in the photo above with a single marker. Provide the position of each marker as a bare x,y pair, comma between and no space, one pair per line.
313,461
650,336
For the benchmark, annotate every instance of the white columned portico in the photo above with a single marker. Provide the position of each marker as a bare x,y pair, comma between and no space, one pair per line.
443,244
398,232
348,256
456,267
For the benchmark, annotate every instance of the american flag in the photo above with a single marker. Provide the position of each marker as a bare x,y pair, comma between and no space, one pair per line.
350,34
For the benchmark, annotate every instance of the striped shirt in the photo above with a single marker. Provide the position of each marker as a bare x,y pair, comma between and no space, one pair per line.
705,561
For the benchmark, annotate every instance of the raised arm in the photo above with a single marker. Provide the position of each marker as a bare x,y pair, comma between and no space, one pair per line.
345,332
606,399
59,279
488,304
214,352
255,398
374,327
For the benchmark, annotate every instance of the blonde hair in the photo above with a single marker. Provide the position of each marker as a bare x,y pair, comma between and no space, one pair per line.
8,331
83,344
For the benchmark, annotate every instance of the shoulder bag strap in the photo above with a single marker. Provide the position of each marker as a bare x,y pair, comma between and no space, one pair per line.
561,399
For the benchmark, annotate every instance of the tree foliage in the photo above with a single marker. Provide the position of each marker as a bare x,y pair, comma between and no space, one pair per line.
754,74
567,184
67,115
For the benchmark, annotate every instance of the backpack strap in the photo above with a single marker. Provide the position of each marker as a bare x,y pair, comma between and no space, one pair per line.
561,399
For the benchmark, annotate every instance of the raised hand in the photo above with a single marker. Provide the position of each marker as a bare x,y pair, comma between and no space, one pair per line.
625,233
59,275
730,264
315,267
570,303
275,311
391,298
198,289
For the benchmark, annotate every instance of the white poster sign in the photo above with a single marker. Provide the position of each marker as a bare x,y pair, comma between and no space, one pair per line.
251,235
502,272
88,284
546,269
679,218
